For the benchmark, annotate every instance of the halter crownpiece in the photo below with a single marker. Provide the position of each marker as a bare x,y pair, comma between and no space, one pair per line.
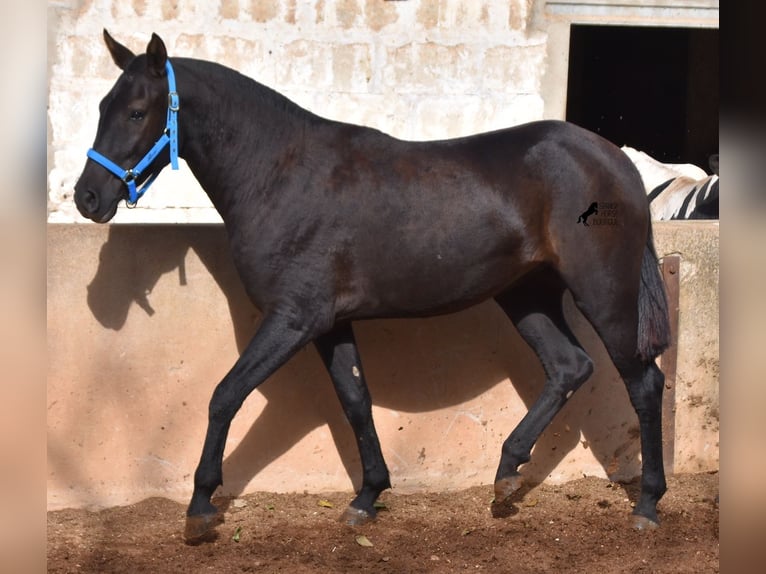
169,137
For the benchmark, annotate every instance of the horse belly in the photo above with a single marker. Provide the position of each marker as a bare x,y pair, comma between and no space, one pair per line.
438,278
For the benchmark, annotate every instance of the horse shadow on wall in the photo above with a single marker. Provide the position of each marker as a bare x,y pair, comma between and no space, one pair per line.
412,365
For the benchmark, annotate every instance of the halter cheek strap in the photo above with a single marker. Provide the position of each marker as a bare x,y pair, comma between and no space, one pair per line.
169,138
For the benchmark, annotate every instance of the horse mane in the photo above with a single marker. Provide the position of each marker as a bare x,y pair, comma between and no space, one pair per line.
236,85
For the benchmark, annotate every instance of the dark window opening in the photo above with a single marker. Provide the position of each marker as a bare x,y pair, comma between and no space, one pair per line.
653,89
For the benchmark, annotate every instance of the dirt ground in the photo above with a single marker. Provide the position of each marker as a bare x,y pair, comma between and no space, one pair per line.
582,526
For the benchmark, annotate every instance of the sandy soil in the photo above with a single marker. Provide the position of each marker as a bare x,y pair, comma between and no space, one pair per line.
582,526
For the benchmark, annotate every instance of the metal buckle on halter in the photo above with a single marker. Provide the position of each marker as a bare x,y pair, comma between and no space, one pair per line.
129,176
173,102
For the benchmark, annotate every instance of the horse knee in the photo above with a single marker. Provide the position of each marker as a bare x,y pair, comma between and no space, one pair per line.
358,414
227,398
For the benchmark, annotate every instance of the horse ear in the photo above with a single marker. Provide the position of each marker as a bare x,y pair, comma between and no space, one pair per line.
156,55
121,55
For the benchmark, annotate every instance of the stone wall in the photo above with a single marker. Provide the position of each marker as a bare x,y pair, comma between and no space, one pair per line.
415,69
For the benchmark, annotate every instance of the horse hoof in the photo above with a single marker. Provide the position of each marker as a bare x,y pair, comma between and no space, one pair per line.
356,517
201,526
644,523
505,487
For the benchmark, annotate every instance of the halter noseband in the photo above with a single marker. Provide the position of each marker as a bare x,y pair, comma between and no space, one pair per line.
169,137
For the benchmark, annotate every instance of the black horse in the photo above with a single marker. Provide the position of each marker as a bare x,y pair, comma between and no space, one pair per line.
330,222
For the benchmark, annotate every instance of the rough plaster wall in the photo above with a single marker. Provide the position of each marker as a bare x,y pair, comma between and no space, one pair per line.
697,379
145,325
415,69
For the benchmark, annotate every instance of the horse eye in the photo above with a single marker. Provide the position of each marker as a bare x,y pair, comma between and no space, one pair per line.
136,115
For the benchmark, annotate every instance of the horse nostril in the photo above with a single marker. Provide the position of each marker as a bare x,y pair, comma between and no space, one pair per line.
89,201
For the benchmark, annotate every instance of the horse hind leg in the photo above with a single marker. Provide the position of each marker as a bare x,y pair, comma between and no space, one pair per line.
535,307
645,384
630,321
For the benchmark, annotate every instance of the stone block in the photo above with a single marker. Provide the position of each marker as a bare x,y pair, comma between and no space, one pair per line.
351,67
170,9
431,68
304,63
513,69
263,11
379,14
229,9
348,13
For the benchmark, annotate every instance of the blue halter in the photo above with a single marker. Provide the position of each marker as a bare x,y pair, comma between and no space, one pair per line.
169,137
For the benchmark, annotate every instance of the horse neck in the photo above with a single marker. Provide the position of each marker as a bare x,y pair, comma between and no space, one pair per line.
234,132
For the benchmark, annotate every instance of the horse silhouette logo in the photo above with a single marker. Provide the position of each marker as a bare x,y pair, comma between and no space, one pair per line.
593,209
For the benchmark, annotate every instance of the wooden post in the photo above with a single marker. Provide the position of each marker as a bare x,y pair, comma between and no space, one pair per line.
671,270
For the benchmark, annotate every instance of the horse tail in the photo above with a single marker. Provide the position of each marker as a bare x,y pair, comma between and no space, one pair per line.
653,319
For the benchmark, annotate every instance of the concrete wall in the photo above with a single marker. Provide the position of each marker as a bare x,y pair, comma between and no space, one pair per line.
143,321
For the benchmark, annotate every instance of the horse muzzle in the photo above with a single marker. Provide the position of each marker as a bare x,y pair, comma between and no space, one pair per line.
92,204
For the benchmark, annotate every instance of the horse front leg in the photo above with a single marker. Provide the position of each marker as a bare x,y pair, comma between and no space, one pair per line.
276,340
341,357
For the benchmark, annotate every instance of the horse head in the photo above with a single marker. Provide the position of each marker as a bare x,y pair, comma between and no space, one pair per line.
130,148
